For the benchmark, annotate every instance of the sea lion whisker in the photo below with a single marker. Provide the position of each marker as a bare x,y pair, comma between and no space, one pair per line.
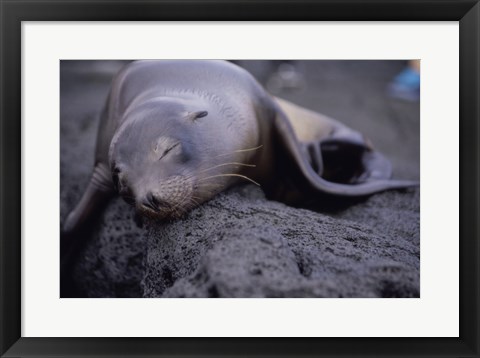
193,201
180,208
231,175
192,198
239,151
174,209
201,185
231,163
210,187
186,204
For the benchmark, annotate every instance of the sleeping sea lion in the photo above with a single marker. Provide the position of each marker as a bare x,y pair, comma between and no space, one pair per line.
175,133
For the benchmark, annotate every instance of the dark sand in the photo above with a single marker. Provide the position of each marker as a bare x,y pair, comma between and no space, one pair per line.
240,244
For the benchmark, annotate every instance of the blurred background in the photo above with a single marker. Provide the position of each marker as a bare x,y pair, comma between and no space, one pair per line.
378,98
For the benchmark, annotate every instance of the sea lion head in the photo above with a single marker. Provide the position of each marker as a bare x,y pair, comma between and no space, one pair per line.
159,159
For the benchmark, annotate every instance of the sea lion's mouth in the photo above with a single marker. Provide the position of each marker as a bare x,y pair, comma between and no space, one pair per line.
155,208
170,200
162,215
149,208
156,204
162,210
154,213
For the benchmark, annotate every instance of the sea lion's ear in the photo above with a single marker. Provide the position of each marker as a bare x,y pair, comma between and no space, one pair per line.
196,115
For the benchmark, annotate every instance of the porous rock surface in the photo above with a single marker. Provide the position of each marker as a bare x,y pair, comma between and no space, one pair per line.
242,245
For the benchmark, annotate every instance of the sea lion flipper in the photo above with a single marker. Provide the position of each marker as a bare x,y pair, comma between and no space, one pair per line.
314,151
375,172
99,190
352,160
77,225
375,167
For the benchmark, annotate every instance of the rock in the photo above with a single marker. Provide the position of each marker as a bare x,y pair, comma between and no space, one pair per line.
238,245
111,265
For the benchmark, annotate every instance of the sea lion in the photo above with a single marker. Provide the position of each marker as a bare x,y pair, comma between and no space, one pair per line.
175,133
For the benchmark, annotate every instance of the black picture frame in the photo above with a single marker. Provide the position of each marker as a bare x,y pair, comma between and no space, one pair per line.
13,12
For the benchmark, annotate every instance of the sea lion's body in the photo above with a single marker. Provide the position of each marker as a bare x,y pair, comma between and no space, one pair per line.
175,133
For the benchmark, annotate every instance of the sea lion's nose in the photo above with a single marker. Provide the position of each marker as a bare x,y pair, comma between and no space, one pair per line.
154,202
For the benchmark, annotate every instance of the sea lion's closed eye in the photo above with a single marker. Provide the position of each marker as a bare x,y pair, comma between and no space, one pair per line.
196,115
169,149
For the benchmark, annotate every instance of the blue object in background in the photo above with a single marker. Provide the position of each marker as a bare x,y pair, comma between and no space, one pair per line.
406,85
